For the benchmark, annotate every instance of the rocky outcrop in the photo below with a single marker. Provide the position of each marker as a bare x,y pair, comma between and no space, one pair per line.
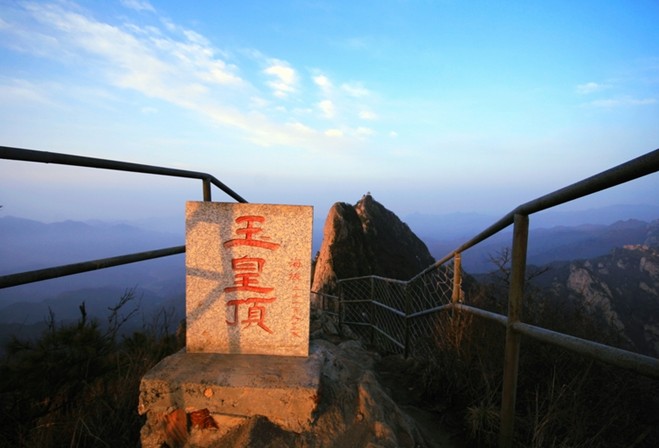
367,239
354,409
619,291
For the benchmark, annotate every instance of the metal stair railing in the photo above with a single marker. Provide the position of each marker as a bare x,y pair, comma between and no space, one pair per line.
438,289
28,155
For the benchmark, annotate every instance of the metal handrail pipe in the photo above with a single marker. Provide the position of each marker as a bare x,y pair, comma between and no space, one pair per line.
499,318
436,309
395,341
357,301
324,294
645,365
374,277
633,169
485,234
359,324
388,308
30,155
85,266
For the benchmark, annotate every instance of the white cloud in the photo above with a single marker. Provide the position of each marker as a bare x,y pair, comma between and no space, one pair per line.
625,101
299,127
393,134
285,78
355,90
323,82
327,108
590,87
138,5
20,91
163,60
358,43
334,133
257,102
149,60
367,115
364,132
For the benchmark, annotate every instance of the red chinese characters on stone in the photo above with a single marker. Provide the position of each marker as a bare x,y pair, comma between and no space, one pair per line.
249,232
295,276
255,313
247,272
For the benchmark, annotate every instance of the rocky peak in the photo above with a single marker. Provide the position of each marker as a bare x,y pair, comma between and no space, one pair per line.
367,239
619,291
652,237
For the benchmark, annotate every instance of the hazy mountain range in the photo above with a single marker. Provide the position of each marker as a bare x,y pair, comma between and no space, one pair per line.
28,244
553,235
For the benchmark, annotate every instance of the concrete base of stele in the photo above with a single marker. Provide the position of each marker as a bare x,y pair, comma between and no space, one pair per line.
194,399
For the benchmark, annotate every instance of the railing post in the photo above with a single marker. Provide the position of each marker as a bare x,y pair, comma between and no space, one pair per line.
457,277
511,361
339,307
371,314
408,309
207,189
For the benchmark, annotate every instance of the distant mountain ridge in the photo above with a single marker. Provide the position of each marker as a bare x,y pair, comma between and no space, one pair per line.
464,225
547,245
617,293
554,235
27,245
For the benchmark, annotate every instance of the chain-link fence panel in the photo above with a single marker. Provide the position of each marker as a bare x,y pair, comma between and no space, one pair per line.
423,333
389,328
356,305
326,303
430,289
392,314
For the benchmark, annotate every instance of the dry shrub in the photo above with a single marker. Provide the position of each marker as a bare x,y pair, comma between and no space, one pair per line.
563,399
77,385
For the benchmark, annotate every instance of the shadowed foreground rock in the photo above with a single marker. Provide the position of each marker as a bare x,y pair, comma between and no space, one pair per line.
353,409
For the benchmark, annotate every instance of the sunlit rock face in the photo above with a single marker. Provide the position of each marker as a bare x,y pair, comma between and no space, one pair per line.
367,239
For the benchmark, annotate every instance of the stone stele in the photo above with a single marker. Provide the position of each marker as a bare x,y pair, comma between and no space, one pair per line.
248,269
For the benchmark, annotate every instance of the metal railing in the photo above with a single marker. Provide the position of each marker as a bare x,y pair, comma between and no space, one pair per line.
391,312
28,155
434,290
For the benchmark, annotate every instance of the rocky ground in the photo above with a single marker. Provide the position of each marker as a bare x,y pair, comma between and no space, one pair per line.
366,400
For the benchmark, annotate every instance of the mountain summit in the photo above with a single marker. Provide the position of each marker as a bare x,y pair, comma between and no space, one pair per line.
367,239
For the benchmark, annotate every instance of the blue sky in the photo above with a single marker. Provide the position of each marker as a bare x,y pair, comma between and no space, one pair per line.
432,106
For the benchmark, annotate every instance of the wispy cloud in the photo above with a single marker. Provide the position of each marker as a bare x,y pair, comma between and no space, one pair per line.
355,90
364,131
285,78
18,91
626,101
591,87
161,59
367,115
323,82
138,5
327,108
334,133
